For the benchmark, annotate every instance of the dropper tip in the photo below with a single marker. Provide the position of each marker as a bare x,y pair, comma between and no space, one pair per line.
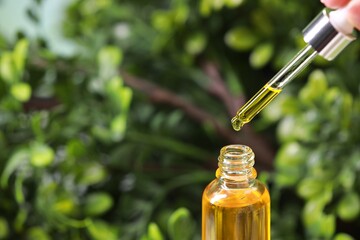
236,123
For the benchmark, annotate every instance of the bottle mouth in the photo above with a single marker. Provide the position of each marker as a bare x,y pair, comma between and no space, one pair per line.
236,154
236,160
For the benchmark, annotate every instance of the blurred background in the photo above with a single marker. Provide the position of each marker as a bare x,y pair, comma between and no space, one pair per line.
112,115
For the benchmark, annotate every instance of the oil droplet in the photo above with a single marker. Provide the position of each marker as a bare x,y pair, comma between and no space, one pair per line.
237,123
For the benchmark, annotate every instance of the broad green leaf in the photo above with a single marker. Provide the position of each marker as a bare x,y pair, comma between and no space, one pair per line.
119,95
18,159
289,177
41,154
196,43
75,148
261,55
162,21
92,173
100,230
327,228
20,54
126,96
20,219
101,133
97,203
285,129
154,232
114,84
181,225
313,216
4,228
205,7
310,187
291,154
21,91
349,206
118,127
315,88
347,177
233,3
181,14
343,236
241,38
109,59
64,205
37,233
7,68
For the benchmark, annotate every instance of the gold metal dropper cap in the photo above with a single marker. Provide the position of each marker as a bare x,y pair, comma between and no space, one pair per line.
323,36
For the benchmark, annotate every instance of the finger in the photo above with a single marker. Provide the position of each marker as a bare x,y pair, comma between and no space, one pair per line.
354,13
335,3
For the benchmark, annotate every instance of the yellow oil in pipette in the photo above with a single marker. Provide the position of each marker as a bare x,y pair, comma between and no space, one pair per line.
271,89
260,100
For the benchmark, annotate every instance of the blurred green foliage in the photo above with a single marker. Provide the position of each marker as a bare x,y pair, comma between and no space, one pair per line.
119,140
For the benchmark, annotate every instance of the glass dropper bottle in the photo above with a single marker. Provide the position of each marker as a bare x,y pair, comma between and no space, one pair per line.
327,35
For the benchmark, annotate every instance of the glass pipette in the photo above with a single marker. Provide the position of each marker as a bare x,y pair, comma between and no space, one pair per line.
327,35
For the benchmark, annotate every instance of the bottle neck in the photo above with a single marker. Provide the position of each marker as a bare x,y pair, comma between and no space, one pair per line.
236,166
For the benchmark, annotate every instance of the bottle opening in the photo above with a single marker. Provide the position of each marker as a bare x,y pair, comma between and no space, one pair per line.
236,162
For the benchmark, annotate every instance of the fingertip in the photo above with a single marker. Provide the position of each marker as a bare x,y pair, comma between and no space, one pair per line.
335,3
354,13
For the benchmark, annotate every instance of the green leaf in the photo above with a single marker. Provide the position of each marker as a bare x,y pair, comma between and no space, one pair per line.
286,178
41,155
7,69
154,232
241,38
20,54
261,55
162,21
233,3
343,236
119,95
64,205
18,159
92,173
347,177
205,7
196,43
291,154
349,206
109,59
100,230
315,88
4,228
21,91
313,216
126,96
101,133
181,226
327,228
20,219
181,14
37,233
314,187
118,127
97,203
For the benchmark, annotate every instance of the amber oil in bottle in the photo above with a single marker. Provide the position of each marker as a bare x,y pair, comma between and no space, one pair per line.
236,205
